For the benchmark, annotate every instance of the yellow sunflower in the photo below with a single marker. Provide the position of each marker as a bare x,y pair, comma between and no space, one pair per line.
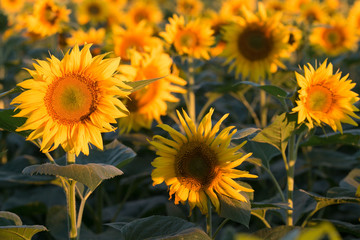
255,44
199,164
138,37
313,12
189,7
149,103
338,37
325,97
96,11
143,11
47,18
11,6
354,16
72,101
80,37
194,38
233,8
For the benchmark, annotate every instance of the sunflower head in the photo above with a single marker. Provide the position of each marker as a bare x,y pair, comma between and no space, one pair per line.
12,6
193,38
92,10
325,97
255,44
80,37
200,164
70,102
147,11
189,7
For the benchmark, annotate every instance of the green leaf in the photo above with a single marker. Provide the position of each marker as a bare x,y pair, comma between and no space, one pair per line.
10,123
159,227
260,209
322,202
349,137
235,210
351,181
274,233
263,151
318,232
91,174
15,219
277,133
243,133
20,232
137,85
343,226
11,91
273,90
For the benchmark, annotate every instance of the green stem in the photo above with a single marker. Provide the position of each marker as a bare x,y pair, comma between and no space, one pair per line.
263,108
220,227
248,106
209,219
191,93
70,158
290,178
81,210
73,235
267,169
308,217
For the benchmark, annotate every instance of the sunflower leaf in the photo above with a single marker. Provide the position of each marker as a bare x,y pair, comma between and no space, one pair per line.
11,91
11,217
235,210
23,232
159,227
349,137
137,85
10,123
91,174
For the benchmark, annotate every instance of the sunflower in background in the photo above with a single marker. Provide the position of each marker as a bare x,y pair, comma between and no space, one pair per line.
189,7
234,8
139,11
255,44
325,97
11,6
354,16
95,11
139,38
193,38
200,164
337,37
313,12
70,102
80,37
47,19
149,103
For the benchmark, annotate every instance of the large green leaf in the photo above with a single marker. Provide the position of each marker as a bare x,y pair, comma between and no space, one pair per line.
274,233
263,151
235,210
349,137
11,217
246,132
91,174
137,85
159,227
10,123
278,133
20,232
260,209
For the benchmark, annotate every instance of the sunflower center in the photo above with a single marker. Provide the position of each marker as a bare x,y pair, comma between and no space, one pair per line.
50,15
188,39
94,9
71,99
196,165
255,43
132,104
320,99
141,15
333,37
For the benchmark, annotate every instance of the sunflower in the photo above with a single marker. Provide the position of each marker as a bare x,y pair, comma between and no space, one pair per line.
149,103
96,11
194,38
313,12
80,37
11,6
72,101
143,11
233,8
325,97
138,37
199,164
354,16
338,37
47,18
255,44
189,7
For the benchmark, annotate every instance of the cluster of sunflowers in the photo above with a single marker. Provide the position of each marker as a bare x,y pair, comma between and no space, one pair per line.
184,54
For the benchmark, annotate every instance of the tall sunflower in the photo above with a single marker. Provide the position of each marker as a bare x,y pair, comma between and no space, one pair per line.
149,103
72,101
47,18
147,11
193,38
255,44
199,164
96,11
325,97
338,37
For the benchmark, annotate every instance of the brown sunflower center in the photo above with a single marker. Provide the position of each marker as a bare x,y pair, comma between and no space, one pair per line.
320,99
188,39
132,104
141,15
71,99
50,15
334,37
94,9
255,43
196,165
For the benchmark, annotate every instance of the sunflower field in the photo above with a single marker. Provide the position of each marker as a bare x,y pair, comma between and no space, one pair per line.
181,120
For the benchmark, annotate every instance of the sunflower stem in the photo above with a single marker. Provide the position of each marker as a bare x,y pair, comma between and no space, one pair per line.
290,178
209,219
220,227
71,200
70,158
191,93
268,170
263,109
